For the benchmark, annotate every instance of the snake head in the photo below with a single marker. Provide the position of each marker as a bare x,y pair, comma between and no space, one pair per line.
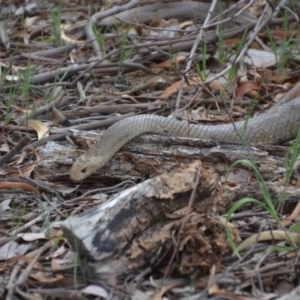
82,168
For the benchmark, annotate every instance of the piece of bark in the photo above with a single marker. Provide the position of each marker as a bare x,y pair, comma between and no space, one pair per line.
138,226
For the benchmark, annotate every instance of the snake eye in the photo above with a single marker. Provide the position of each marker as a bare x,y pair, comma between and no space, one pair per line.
83,170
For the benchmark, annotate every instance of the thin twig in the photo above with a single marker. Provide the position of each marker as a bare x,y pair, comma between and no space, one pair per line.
5,158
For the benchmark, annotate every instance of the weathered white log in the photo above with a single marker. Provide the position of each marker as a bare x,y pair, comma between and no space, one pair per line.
139,226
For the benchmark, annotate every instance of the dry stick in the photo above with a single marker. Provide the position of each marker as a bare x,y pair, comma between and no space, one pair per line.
42,187
233,266
257,270
24,295
5,158
291,12
30,46
17,128
185,43
5,240
53,137
295,213
126,65
191,55
108,189
257,29
260,25
11,284
43,54
55,51
102,69
51,75
25,274
81,91
100,15
43,109
192,101
85,119
290,95
269,235
226,70
117,108
273,266
176,45
137,280
103,14
42,59
27,225
93,125
114,52
192,52
245,7
93,65
55,207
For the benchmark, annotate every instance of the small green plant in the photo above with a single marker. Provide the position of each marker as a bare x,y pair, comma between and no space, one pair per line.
242,43
99,39
202,72
15,222
268,205
77,260
10,102
126,54
295,227
26,80
223,52
18,213
286,49
125,51
234,68
45,216
290,161
56,21
231,77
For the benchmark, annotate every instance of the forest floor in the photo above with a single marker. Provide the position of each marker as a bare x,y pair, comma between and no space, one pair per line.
183,220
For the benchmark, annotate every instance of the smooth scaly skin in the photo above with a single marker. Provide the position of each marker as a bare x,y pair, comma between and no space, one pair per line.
277,125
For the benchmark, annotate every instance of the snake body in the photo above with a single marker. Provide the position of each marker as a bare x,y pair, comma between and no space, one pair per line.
277,125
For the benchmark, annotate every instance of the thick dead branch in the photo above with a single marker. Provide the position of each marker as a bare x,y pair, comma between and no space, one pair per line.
149,156
138,227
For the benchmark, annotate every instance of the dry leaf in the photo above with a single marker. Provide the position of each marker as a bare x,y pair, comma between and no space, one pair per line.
175,86
41,129
29,237
18,185
249,88
167,64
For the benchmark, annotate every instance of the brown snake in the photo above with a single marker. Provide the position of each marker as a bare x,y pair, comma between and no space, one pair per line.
278,124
